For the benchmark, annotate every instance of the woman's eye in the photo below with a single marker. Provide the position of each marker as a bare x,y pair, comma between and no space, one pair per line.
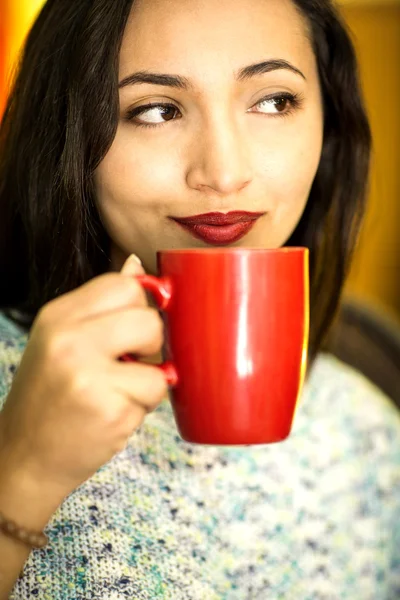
282,104
152,115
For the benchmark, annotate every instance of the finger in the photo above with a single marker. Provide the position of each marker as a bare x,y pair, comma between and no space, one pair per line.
105,293
144,385
136,330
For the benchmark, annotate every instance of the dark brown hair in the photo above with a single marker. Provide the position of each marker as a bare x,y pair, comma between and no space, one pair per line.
60,121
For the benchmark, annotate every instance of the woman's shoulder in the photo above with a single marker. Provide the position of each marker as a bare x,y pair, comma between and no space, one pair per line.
13,339
345,395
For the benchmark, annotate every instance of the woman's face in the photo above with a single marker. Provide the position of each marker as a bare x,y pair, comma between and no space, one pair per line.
217,138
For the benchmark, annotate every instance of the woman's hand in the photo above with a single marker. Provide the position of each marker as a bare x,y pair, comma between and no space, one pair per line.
72,405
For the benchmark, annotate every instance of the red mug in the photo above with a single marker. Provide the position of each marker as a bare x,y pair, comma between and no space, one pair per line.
237,327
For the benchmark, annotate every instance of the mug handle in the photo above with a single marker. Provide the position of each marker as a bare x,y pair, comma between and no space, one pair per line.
161,289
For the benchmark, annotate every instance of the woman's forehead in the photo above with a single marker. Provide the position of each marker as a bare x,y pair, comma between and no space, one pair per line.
196,35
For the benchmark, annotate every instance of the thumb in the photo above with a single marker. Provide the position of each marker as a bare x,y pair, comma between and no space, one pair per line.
132,266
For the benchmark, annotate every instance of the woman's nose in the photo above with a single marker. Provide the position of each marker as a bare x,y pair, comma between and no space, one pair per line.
220,160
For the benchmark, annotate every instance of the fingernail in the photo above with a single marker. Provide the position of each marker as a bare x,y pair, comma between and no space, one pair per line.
134,257
131,260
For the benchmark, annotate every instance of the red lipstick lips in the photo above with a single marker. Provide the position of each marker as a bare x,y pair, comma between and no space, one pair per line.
219,228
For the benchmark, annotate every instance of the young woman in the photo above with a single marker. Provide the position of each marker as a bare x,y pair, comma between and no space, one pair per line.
124,118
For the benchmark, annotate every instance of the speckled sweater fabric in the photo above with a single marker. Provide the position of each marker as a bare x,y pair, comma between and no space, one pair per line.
315,517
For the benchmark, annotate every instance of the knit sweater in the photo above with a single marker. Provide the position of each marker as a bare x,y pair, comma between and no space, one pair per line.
316,517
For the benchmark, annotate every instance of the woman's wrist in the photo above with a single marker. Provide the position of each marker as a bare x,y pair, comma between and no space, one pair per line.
26,500
30,504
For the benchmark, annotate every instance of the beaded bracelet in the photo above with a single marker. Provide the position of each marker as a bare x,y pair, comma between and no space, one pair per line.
29,538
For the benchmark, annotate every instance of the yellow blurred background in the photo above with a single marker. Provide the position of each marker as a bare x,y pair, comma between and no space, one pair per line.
375,27
16,16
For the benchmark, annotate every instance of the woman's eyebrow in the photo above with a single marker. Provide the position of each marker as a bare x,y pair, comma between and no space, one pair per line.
184,83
